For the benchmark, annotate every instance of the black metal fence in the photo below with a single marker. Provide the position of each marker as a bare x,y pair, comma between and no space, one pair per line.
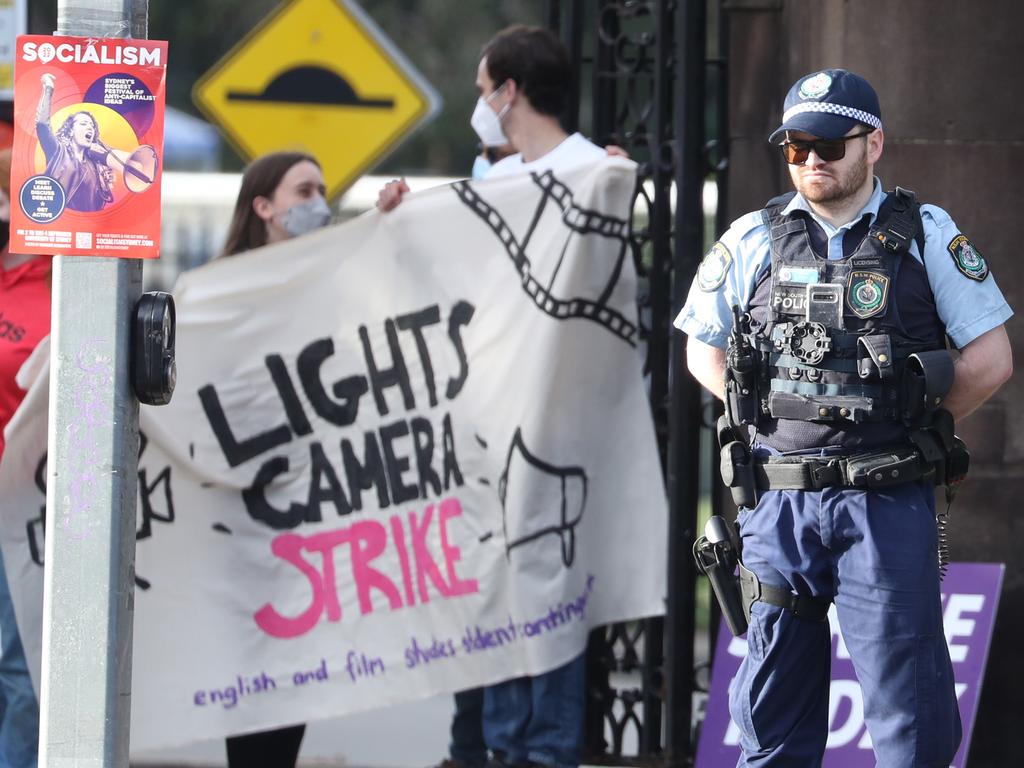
642,83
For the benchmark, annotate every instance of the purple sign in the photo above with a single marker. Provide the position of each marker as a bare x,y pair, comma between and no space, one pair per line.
970,595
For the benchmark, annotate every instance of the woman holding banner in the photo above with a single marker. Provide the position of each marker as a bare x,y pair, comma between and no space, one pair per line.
282,196
24,321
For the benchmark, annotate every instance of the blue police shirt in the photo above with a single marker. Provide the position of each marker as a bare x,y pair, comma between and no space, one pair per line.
968,301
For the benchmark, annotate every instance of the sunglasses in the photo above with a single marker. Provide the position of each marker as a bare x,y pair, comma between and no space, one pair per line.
796,150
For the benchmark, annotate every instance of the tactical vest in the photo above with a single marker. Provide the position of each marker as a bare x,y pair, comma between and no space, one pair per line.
851,351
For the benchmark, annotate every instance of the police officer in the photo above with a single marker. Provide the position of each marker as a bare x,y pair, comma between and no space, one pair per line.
822,322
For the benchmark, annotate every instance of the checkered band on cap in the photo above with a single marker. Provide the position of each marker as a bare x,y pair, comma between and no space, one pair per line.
833,109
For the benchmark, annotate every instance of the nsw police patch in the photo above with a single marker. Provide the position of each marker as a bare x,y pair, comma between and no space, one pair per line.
714,268
867,293
967,258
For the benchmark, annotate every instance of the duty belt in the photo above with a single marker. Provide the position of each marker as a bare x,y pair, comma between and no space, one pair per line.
877,469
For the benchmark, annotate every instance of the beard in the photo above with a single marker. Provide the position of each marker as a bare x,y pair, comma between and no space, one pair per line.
834,190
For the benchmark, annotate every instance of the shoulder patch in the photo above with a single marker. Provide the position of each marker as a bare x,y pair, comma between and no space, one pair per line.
967,258
714,268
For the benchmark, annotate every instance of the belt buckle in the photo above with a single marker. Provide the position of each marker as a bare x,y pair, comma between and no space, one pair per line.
828,474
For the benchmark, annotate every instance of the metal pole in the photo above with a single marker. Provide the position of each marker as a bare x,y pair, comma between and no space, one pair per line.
713,406
603,74
660,140
722,215
91,481
553,15
571,119
684,393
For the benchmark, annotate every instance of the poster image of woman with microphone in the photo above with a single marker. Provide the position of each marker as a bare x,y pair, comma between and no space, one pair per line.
76,158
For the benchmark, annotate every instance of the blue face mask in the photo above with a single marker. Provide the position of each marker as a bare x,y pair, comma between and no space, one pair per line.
306,217
480,167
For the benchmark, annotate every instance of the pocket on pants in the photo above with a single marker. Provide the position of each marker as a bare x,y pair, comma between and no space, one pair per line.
757,641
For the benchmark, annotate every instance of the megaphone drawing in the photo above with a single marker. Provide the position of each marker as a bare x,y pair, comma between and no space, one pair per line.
540,499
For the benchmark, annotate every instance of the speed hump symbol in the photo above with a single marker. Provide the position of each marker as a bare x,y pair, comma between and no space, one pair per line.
317,76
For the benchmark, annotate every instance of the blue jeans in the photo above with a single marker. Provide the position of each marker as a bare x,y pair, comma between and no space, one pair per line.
468,747
875,553
538,719
19,710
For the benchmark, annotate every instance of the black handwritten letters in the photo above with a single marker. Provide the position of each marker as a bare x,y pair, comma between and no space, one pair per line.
9,331
156,504
403,460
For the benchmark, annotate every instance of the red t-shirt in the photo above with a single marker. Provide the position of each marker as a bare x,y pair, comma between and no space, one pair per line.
24,321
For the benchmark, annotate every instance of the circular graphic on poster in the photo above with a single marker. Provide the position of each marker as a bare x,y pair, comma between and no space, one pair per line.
42,199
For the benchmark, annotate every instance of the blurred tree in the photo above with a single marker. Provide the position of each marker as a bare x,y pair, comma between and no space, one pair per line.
441,37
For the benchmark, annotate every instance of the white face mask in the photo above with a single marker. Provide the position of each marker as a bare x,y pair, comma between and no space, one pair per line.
487,124
305,217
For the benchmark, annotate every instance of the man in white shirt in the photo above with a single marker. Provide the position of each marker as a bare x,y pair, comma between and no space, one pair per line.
523,80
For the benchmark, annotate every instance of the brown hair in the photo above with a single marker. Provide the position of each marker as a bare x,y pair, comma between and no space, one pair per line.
5,171
260,179
535,59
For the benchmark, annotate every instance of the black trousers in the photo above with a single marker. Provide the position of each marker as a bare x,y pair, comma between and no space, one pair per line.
278,748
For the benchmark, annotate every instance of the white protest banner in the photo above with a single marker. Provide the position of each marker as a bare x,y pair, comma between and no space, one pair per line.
406,455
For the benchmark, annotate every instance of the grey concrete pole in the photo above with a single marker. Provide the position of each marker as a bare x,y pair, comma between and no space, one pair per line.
85,698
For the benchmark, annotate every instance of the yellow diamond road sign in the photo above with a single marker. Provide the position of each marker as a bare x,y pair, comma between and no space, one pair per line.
317,76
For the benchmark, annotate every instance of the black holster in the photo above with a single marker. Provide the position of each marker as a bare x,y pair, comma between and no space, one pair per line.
927,378
717,554
942,449
736,466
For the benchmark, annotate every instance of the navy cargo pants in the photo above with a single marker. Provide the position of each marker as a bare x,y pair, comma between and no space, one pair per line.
875,553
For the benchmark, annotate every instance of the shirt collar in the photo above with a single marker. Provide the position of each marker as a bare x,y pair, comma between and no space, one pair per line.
799,203
31,269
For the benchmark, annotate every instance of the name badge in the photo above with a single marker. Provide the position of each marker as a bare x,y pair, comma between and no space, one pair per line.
802,275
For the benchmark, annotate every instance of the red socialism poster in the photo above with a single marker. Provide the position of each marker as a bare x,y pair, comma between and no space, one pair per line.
88,144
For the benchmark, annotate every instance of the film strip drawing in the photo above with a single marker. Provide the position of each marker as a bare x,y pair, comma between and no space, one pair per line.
578,221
